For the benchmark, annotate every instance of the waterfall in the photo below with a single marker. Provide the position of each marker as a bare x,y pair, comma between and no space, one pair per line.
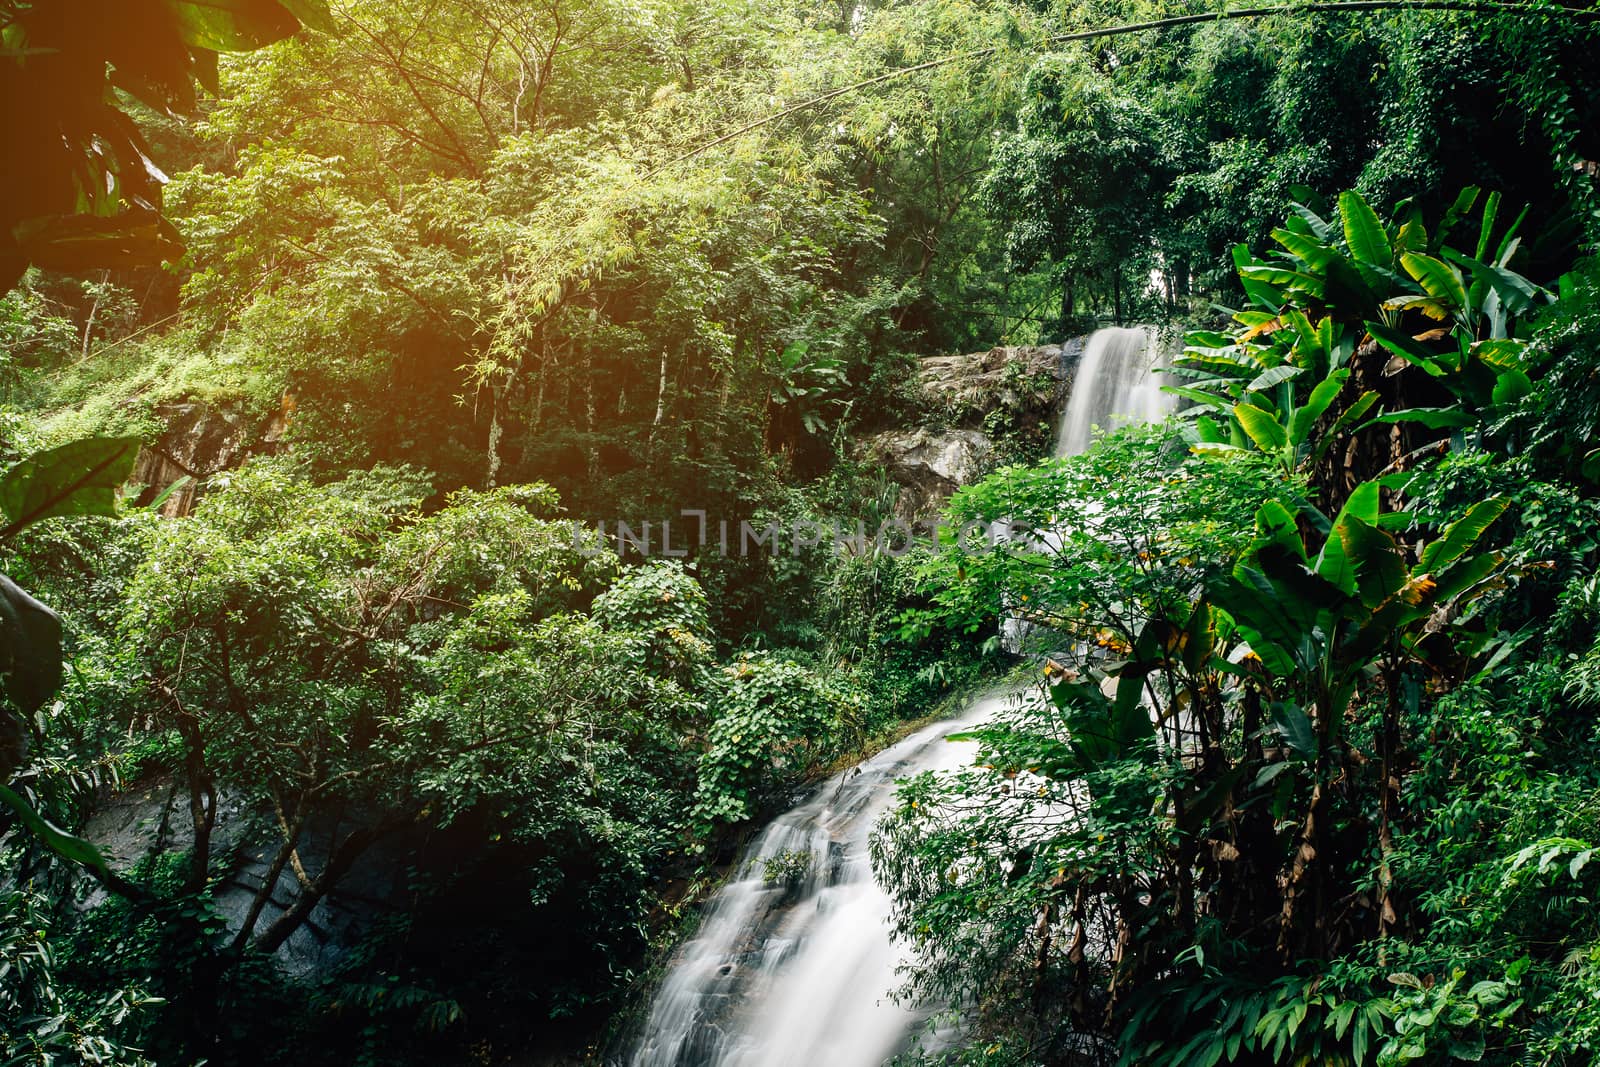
1113,383
793,965
798,970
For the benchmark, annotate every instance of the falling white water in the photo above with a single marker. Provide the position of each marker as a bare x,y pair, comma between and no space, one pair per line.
799,973
1113,385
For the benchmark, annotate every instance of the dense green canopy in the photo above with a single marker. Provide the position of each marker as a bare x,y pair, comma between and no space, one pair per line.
336,342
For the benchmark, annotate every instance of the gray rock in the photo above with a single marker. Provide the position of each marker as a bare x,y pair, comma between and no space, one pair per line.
964,396
929,464
968,386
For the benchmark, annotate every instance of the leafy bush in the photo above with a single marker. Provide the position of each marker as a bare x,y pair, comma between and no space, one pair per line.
773,719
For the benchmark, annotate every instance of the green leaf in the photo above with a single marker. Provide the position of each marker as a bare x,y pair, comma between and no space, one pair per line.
63,844
1437,278
1406,348
1363,504
1295,726
1304,247
1517,294
1321,398
1258,291
1319,227
1432,418
1275,525
1347,289
1512,386
1198,396
1463,204
1591,465
1368,240
1491,211
1264,429
1462,577
232,25
1273,376
73,243
1351,415
30,648
1380,568
80,478
1461,535
313,14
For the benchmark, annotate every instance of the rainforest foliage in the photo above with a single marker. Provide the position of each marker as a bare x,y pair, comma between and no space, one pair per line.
342,723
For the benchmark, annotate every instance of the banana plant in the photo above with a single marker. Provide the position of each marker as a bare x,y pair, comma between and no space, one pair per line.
1330,291
80,478
1317,620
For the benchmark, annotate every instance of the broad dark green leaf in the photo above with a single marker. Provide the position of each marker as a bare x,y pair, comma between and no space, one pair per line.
80,478
232,25
1295,725
30,648
1512,386
74,243
1347,289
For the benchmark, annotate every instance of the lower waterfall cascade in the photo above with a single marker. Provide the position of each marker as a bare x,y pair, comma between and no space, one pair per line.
786,975
800,970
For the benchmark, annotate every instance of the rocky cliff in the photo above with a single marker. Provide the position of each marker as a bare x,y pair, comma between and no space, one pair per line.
981,410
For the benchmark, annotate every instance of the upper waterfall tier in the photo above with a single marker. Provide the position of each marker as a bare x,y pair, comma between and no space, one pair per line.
1113,385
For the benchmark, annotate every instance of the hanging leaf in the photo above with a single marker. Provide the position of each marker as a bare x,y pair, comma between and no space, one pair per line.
80,478
30,648
63,844
69,243
232,25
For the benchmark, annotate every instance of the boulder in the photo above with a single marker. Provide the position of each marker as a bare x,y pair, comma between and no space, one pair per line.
929,464
1018,379
970,398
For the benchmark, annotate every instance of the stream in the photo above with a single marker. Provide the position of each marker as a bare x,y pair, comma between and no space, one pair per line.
793,964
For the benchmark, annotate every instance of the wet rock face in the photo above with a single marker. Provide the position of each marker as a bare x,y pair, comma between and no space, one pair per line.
979,405
200,440
153,818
